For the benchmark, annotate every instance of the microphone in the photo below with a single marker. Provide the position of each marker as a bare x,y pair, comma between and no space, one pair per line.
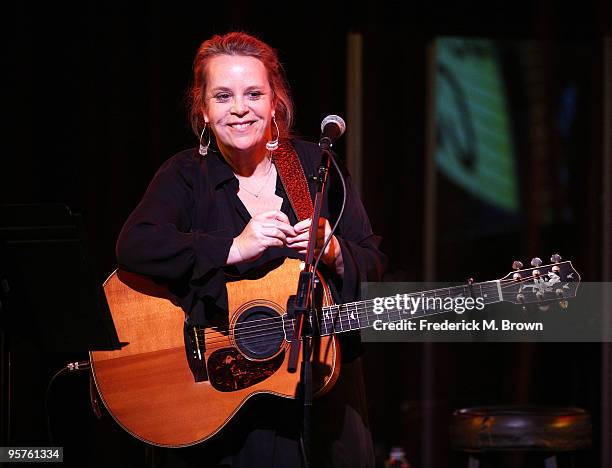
332,128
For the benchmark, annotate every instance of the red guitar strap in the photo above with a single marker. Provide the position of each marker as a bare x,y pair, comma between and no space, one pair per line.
293,178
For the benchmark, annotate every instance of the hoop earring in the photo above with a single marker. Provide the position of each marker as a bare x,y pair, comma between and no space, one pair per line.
273,144
204,148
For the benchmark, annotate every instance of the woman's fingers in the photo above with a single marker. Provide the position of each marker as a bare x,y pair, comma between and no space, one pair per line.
303,225
276,229
302,230
275,233
276,219
297,238
285,227
272,229
301,244
282,217
274,214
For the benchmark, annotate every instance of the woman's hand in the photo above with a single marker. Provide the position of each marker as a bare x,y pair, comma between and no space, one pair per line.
332,256
268,229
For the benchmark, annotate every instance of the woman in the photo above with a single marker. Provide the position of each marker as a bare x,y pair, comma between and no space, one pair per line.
223,209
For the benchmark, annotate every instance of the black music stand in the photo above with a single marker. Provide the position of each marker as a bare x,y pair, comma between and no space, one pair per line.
50,297
49,292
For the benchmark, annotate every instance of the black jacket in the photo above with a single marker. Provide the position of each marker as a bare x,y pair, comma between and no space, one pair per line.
183,228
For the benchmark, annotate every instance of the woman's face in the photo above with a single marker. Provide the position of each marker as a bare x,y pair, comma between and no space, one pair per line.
238,103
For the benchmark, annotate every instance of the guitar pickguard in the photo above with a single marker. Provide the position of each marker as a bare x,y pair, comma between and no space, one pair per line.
229,371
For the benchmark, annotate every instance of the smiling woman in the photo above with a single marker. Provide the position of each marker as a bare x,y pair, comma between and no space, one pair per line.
239,109
212,221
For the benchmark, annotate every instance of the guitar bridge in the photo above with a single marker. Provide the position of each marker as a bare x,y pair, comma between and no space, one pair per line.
195,350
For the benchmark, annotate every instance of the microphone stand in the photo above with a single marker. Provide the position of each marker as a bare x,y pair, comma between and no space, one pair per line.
305,307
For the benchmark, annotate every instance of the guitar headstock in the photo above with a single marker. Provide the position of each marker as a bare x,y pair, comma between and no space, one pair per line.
541,284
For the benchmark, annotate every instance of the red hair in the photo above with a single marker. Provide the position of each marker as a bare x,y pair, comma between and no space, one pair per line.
239,43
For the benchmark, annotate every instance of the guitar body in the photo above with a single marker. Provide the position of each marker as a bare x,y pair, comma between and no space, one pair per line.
149,387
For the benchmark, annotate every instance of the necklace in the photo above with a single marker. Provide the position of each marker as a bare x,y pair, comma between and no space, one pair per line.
258,192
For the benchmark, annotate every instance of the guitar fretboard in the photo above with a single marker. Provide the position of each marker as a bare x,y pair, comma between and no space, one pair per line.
363,314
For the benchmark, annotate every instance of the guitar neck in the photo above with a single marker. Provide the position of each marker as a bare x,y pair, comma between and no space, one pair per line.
363,314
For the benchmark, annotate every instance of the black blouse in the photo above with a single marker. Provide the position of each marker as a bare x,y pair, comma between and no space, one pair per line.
182,230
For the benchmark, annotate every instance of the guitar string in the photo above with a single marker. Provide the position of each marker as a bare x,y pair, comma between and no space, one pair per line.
345,325
342,322
278,332
219,344
338,326
227,340
491,288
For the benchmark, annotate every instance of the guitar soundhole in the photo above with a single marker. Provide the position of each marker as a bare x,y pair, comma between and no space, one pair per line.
259,333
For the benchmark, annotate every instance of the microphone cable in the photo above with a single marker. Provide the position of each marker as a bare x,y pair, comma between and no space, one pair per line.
75,366
334,228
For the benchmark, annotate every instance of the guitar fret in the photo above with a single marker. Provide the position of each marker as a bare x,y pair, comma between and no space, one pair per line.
325,318
418,309
334,316
499,290
316,328
352,314
348,316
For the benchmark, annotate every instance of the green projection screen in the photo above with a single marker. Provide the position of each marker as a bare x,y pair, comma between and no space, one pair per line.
474,146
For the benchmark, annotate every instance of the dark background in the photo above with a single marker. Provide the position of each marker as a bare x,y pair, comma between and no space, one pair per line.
96,102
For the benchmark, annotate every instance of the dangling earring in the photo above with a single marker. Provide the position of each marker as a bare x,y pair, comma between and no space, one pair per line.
273,144
204,148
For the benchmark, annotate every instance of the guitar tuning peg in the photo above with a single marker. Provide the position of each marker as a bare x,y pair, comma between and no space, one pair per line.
556,258
517,265
563,302
536,261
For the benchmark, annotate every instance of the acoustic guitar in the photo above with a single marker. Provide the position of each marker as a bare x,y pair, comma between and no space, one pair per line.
173,386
